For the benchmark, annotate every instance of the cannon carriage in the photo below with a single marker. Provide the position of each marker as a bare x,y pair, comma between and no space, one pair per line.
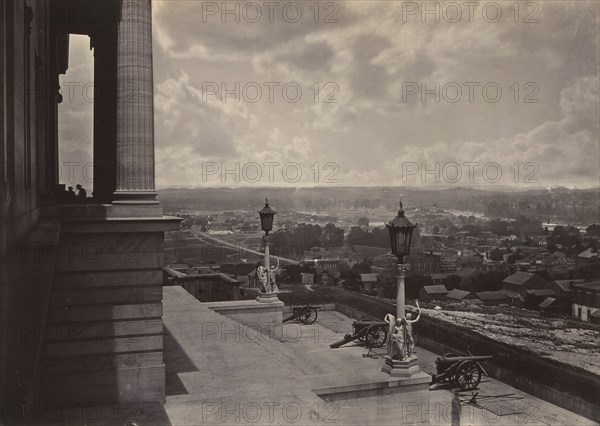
462,371
306,314
372,334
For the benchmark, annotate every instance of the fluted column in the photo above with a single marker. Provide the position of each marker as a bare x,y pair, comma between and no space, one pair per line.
135,106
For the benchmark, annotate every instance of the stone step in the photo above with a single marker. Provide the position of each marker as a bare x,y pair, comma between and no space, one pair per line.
57,366
63,297
83,279
87,313
98,387
115,345
70,332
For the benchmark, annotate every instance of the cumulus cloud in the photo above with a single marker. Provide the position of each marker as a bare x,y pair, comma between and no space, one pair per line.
564,151
354,63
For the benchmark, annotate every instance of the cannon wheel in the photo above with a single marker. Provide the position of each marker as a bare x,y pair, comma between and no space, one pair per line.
309,316
468,375
362,337
375,336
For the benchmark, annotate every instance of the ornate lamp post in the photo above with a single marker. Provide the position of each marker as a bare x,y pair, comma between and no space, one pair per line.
266,223
401,230
401,361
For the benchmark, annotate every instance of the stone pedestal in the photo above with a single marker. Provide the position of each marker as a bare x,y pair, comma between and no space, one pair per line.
265,317
267,298
403,379
408,367
103,341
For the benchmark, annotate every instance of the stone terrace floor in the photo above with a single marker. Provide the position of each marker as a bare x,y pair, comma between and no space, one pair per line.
221,372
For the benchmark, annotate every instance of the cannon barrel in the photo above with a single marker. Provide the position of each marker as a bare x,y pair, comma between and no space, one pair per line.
347,339
453,359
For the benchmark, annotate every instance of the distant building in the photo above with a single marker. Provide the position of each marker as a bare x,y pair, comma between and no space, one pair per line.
586,300
448,263
327,277
368,282
458,294
513,297
439,278
558,258
308,278
322,264
432,292
466,274
206,287
532,298
551,304
195,270
492,297
521,281
384,266
564,290
424,263
180,267
595,317
469,258
540,292
587,257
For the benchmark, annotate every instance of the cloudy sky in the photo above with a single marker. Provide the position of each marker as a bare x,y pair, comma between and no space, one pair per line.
366,93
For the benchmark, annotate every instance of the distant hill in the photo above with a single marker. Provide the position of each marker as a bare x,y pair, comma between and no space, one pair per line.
562,204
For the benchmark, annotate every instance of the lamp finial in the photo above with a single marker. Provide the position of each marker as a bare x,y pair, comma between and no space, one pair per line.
401,210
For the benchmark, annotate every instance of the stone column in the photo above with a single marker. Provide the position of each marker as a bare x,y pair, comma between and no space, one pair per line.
135,107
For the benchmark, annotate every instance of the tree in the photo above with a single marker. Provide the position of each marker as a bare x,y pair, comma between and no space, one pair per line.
589,272
363,221
487,281
332,236
293,273
593,230
351,280
472,229
452,281
356,236
414,284
496,254
568,237
363,267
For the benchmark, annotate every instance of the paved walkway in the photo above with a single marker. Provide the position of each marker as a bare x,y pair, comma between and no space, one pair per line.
221,372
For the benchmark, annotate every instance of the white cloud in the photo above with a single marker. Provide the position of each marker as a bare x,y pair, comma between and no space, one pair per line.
370,54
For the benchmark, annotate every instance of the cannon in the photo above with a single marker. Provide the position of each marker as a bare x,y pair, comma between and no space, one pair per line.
462,371
306,314
372,334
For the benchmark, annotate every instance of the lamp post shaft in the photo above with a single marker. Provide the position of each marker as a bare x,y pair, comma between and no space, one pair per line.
400,301
267,263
